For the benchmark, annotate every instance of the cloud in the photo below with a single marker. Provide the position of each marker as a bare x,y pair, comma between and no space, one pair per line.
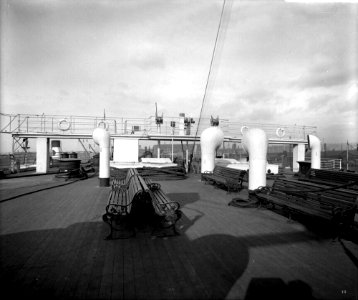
276,63
146,57
328,71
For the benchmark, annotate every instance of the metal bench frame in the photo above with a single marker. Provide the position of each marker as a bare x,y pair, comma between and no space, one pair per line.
133,189
120,201
335,205
230,178
167,211
333,178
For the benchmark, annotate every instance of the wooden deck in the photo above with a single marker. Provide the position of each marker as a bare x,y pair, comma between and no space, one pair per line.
53,247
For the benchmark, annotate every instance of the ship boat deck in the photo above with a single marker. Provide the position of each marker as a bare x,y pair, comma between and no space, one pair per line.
53,247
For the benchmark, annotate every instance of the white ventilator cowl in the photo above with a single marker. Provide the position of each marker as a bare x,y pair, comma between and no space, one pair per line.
255,143
210,140
314,144
102,138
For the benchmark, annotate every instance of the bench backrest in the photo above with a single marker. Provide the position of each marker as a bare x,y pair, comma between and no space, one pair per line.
121,196
297,189
118,201
229,172
334,176
137,185
161,203
120,180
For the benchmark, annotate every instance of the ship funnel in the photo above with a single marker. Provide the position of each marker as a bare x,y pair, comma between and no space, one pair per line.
255,144
314,144
102,138
210,140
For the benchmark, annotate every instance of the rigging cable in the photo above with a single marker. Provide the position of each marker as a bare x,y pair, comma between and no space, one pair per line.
207,82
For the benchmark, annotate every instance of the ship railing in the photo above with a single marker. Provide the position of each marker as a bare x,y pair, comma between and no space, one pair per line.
65,124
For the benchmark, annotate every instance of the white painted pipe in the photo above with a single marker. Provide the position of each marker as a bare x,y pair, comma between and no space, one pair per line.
210,140
56,149
314,144
158,150
255,143
102,138
181,124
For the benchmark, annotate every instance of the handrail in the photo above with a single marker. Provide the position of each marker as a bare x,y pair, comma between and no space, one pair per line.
140,126
20,123
9,124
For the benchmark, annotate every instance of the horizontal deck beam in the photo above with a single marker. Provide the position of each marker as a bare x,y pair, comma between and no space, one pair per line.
175,138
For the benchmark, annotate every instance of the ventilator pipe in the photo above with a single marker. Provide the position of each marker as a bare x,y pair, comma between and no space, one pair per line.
102,138
314,144
181,124
210,140
255,143
56,149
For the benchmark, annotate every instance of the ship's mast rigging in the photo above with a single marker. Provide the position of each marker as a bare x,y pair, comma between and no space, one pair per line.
219,30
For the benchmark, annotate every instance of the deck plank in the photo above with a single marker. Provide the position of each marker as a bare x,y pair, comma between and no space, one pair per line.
182,281
167,275
118,273
129,290
153,280
140,281
52,245
105,289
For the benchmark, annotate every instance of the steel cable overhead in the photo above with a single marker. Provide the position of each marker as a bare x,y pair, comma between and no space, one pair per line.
208,79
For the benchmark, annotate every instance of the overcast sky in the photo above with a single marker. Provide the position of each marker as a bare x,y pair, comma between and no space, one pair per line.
276,62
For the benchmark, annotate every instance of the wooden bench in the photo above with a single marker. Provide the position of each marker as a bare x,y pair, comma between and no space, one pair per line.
120,181
167,211
334,204
122,197
149,182
332,178
223,176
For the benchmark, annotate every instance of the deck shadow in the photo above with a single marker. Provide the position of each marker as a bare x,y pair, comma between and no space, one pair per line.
184,198
76,262
64,263
320,227
276,288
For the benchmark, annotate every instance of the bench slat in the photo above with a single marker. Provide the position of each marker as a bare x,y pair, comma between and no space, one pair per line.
230,178
313,199
332,177
124,192
132,188
167,211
